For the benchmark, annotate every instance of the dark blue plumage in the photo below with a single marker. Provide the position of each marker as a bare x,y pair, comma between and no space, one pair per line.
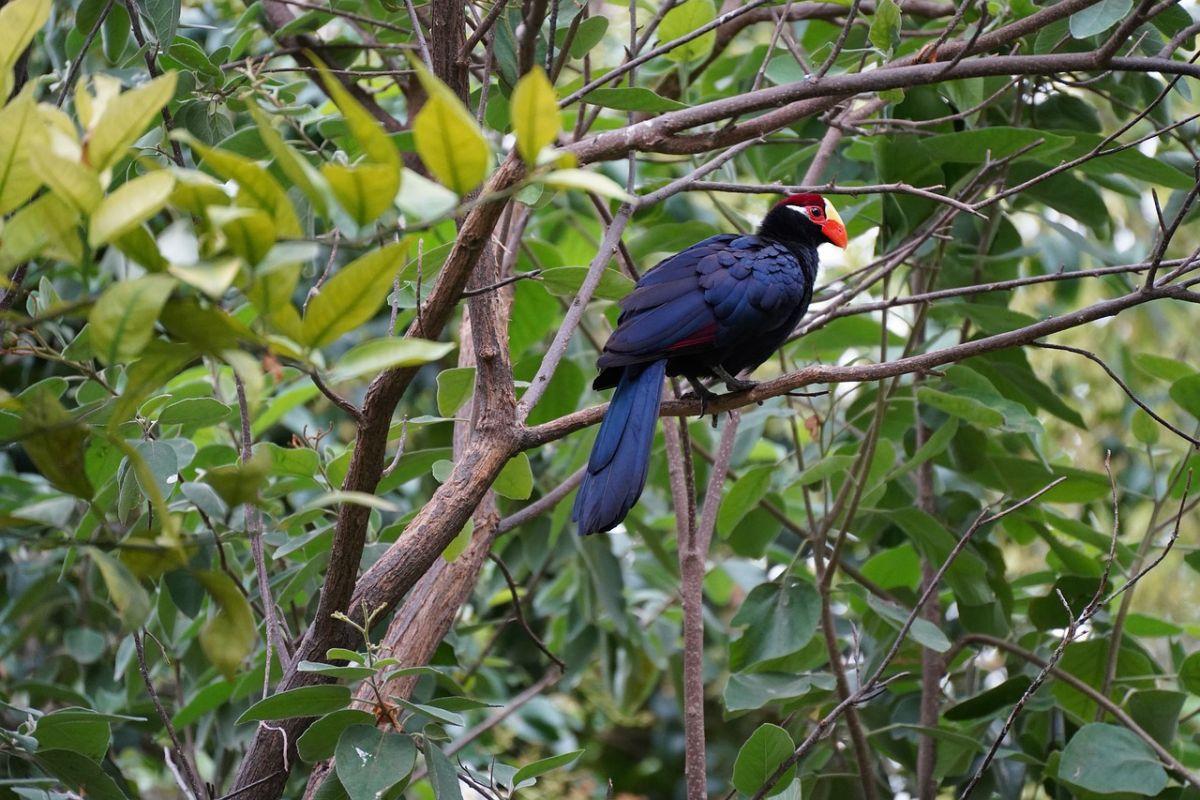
720,307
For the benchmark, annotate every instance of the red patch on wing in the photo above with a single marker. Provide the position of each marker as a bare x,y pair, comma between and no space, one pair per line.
706,335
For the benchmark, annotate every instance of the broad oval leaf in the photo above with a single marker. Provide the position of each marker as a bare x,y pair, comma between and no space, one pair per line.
353,295
758,759
129,206
369,760
534,112
1109,759
122,321
307,701
377,355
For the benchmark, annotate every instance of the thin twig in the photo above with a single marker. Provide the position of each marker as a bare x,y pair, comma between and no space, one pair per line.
196,788
516,602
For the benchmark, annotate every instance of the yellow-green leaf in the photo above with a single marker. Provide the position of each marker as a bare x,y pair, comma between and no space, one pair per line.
448,139
515,479
45,225
19,22
139,246
211,277
131,600
74,182
54,441
363,127
124,119
352,296
365,190
534,112
256,187
376,355
129,206
122,321
229,635
160,362
586,181
195,192
249,232
293,165
18,129
682,20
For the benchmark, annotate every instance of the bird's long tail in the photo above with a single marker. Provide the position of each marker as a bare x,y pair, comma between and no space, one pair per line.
616,471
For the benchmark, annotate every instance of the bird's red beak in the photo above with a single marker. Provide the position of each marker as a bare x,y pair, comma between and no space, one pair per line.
833,228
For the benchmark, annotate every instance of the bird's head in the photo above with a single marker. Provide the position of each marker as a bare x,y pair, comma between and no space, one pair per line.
806,218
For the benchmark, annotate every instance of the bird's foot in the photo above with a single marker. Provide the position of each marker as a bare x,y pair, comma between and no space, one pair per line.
732,383
703,393
739,385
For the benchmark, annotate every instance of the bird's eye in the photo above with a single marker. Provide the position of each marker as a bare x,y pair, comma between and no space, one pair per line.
816,212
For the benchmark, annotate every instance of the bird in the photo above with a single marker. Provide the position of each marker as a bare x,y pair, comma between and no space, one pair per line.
716,309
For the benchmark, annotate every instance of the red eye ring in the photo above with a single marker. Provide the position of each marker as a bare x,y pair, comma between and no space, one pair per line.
816,211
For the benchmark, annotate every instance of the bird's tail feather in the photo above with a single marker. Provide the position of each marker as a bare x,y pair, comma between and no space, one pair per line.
620,459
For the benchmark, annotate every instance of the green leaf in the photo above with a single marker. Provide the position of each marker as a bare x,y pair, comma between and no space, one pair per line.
541,767
585,181
763,753
122,321
239,483
924,632
443,775
199,411
248,232
633,98
962,406
565,281
515,480
129,206
1099,17
364,190
534,112
447,138
125,119
744,495
294,166
80,773
370,761
19,23
79,730
991,701
1144,428
779,620
256,187
54,441
318,742
229,635
885,26
19,130
160,361
163,16
131,600
1161,367
352,672
454,386
1108,759
747,691
1186,392
1189,673
307,701
682,20
976,145
375,356
353,295
587,36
